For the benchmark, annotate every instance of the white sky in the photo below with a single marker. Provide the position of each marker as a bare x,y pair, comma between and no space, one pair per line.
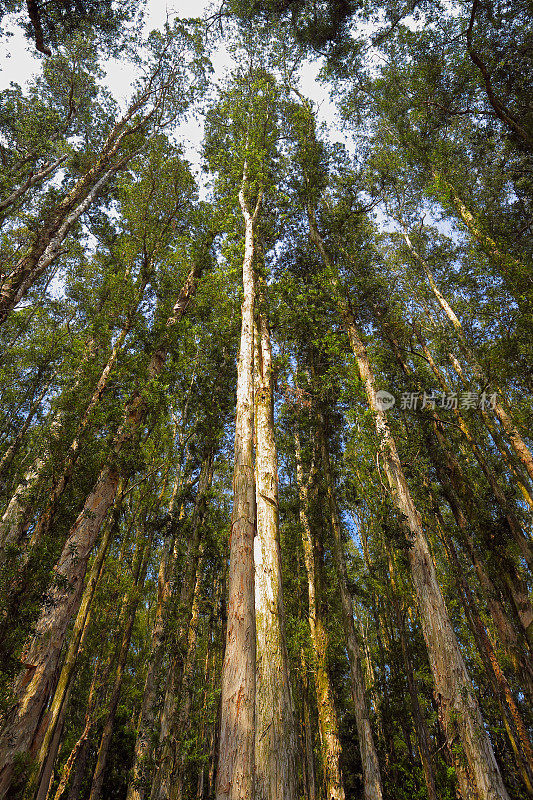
19,62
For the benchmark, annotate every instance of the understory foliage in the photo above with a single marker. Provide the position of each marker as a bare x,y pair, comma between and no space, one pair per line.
343,332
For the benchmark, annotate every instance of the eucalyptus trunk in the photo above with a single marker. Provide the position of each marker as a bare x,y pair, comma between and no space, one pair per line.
459,707
369,758
235,774
139,575
41,655
328,726
275,735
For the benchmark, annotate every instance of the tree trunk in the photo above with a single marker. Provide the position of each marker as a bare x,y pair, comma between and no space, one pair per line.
186,695
46,756
41,655
309,770
421,729
327,715
369,759
47,242
166,759
130,612
147,718
517,442
512,719
458,703
275,735
235,774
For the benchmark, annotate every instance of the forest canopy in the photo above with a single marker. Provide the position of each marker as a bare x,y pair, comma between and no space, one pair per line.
266,469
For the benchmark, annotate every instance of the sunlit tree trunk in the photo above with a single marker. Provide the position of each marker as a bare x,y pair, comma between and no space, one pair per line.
369,759
235,774
327,714
459,707
41,655
275,735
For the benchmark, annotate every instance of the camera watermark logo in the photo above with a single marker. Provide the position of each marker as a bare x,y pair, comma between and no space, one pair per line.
384,400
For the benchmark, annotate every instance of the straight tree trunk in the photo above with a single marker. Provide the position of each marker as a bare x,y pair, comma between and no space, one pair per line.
327,715
41,656
458,703
235,774
148,715
13,448
130,613
421,729
186,694
512,719
518,444
167,755
369,759
48,240
516,273
516,587
59,702
275,735
309,771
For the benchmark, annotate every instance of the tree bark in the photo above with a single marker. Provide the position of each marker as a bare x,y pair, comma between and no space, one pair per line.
41,655
458,704
275,735
235,774
327,716
369,758
131,610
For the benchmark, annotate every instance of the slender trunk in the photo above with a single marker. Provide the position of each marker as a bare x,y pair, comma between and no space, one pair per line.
46,519
16,517
309,771
513,722
166,759
422,732
459,707
369,759
212,660
516,587
235,774
186,694
33,178
518,444
518,535
41,655
131,610
502,112
13,448
48,240
421,729
275,735
511,268
81,743
148,714
46,756
327,715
